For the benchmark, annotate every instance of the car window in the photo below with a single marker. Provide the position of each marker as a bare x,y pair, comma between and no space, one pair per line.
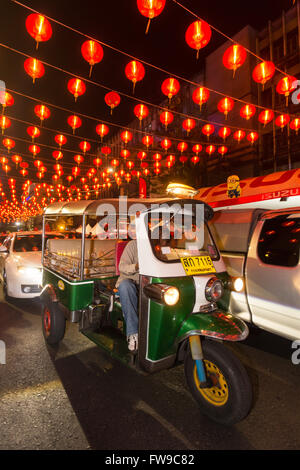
279,241
30,243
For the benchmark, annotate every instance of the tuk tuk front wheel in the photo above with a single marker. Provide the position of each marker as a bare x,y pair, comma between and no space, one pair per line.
227,400
53,322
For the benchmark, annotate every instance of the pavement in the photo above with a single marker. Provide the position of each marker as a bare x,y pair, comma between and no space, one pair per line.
75,397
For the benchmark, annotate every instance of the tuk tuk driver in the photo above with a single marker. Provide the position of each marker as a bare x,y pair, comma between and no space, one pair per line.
128,287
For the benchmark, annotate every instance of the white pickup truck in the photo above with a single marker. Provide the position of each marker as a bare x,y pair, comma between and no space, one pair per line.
261,250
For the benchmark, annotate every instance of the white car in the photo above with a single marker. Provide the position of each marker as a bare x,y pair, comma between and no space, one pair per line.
21,264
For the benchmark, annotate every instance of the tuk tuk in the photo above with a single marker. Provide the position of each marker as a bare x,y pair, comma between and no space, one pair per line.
183,293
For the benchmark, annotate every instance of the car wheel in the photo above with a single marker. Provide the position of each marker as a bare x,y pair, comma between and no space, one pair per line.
53,322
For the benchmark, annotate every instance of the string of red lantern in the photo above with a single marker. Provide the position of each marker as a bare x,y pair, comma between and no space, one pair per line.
151,104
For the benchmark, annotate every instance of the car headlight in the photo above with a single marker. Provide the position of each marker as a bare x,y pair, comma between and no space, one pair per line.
238,284
30,272
162,293
214,290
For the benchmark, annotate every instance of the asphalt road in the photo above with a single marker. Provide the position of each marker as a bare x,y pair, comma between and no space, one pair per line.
77,398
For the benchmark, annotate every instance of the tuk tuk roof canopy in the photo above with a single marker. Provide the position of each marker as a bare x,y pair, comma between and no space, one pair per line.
92,208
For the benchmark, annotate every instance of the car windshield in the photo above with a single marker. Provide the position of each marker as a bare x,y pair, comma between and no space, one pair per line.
172,241
30,243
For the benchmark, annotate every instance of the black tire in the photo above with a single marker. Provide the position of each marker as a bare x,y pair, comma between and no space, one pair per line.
229,400
53,322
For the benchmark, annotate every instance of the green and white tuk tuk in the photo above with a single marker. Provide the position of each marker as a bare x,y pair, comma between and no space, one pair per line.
183,293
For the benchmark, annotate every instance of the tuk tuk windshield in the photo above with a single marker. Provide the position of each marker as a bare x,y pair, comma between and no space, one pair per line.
172,241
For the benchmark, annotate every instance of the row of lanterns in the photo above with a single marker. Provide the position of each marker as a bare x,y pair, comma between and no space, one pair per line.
198,35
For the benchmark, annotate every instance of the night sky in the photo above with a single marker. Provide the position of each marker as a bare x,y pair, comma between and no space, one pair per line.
118,23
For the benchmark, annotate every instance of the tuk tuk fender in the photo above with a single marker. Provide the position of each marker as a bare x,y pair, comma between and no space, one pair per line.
218,325
48,292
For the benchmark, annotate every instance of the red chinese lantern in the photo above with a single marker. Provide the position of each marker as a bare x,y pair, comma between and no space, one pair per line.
225,105
166,118
39,28
74,122
24,173
195,159
85,146
78,159
115,163
142,155
170,87
34,68
37,164
198,35
208,130
9,144
210,149
171,158
141,111
157,157
224,132
69,179
33,132
24,165
4,160
234,57
286,86
150,9
92,52
201,96
282,120
183,159
130,164
126,136
112,99
252,137
166,144
263,72
295,125
34,149
60,139
239,135
5,123
75,171
147,140
125,153
135,72
188,125
248,111
16,159
266,116
197,148
106,150
76,87
223,150
102,130
42,112
57,155
8,101
97,162
182,147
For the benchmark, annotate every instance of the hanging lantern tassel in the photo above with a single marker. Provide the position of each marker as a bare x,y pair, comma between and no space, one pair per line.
148,26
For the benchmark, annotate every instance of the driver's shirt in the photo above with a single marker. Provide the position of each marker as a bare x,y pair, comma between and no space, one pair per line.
128,262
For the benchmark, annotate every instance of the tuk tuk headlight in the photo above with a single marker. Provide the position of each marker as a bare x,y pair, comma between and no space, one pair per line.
162,293
238,284
214,290
171,296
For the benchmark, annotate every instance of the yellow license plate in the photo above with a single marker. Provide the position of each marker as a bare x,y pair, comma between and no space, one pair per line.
195,265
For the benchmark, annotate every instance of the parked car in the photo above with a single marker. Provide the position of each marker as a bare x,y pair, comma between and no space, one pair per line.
21,264
260,249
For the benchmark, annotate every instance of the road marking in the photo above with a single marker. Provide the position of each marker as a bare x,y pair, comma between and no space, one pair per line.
142,406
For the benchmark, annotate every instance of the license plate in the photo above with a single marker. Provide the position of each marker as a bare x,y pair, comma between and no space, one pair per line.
195,265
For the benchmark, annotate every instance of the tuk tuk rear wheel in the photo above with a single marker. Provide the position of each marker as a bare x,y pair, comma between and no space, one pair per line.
228,399
53,322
